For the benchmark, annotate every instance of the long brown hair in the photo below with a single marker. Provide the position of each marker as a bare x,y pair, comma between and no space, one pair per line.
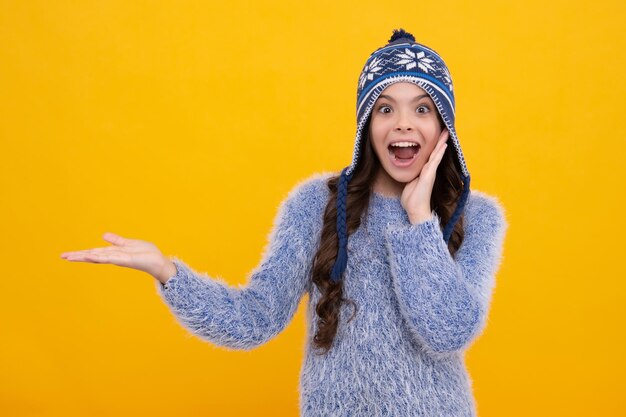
447,189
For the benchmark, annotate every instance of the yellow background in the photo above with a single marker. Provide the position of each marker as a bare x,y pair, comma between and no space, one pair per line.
185,123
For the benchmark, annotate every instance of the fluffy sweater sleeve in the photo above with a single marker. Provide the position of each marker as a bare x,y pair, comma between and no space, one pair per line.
445,300
246,317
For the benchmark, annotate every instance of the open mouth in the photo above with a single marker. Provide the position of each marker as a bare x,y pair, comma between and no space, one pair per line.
403,153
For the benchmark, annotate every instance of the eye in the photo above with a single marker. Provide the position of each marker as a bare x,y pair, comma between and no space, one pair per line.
383,106
425,107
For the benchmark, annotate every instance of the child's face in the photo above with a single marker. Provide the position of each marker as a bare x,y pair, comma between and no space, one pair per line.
403,112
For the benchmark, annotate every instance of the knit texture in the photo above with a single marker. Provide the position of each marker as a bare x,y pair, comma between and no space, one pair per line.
418,308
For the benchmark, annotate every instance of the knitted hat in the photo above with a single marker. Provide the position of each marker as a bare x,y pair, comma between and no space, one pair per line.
401,60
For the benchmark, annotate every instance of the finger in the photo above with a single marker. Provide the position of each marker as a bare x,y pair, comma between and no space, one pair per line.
440,153
441,146
98,258
112,257
443,151
443,138
444,145
72,253
435,158
88,251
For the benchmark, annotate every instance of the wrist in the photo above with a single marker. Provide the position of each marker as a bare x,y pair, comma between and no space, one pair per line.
420,217
167,271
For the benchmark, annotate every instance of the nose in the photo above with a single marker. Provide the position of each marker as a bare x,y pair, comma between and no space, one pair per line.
403,122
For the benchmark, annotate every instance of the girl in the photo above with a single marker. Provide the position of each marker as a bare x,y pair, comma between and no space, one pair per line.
397,232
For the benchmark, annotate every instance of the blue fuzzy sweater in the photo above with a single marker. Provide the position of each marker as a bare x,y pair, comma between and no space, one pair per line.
419,308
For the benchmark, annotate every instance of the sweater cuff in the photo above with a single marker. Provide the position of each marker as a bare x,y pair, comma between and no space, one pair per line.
178,285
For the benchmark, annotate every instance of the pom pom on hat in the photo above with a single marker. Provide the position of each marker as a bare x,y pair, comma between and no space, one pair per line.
401,34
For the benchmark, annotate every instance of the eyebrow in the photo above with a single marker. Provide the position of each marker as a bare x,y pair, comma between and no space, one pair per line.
391,98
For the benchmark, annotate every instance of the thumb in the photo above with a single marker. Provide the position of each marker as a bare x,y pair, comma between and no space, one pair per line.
115,239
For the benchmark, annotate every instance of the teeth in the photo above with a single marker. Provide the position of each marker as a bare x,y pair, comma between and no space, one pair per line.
404,144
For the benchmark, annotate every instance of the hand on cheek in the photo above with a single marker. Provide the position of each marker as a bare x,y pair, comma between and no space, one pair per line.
417,193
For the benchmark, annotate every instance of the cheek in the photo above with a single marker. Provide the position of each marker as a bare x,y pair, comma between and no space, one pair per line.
377,137
430,147
431,134
378,131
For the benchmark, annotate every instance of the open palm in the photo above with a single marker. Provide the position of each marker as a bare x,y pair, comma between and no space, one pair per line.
130,253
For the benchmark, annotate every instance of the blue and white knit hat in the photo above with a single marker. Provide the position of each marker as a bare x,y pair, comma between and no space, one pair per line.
401,60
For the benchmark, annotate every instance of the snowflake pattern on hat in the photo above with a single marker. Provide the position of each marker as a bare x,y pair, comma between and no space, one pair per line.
446,77
412,59
369,71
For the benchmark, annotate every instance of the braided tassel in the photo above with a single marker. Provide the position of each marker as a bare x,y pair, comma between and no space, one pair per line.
342,227
447,231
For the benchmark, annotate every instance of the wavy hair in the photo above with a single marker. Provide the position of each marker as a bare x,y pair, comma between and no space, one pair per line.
447,190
